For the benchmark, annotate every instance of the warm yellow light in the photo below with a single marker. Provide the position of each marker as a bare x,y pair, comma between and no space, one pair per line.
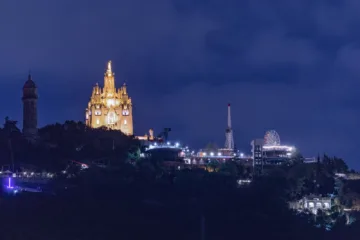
112,118
110,102
109,71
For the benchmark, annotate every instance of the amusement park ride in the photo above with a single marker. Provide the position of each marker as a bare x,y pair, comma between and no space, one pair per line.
270,152
192,157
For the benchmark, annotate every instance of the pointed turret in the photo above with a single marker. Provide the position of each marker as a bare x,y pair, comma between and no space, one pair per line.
124,89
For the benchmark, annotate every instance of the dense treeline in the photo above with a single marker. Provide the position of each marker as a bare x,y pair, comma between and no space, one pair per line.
130,205
144,201
56,144
141,199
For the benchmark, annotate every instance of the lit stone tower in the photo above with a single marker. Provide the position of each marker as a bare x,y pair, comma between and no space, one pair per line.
110,107
229,143
29,99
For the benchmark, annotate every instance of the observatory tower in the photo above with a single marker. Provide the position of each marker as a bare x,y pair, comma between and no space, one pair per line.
229,143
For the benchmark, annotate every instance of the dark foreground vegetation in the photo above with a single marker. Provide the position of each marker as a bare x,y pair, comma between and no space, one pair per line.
140,199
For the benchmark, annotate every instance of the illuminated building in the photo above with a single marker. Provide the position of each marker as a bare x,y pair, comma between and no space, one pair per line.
312,204
269,151
29,100
257,146
110,107
147,137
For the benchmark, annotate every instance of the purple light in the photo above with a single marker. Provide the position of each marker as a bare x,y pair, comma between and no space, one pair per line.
9,186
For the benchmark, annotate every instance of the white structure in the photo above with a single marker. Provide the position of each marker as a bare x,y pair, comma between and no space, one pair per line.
229,143
257,151
313,204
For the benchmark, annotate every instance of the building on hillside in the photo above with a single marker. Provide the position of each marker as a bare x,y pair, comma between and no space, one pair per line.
110,107
257,157
29,99
269,151
147,138
312,204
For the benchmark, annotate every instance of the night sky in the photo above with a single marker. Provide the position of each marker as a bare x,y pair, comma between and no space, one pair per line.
288,65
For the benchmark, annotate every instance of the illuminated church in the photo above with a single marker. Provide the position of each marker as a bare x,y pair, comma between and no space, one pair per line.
110,107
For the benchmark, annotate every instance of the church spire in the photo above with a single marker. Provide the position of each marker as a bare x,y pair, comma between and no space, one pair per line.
109,81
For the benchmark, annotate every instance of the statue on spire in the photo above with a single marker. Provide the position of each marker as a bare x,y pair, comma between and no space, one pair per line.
109,71
109,81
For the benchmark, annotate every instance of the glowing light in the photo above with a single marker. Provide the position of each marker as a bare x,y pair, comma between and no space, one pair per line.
177,144
279,147
241,155
109,71
110,102
168,143
204,154
125,111
9,183
219,154
211,154
111,118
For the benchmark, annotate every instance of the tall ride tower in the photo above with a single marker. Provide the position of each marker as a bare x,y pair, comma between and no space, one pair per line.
29,99
229,143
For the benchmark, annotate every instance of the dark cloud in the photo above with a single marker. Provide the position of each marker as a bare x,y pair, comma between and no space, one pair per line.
289,65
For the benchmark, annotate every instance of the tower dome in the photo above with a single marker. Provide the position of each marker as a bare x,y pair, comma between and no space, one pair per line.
29,83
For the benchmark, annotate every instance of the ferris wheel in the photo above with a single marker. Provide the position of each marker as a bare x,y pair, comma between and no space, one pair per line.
271,138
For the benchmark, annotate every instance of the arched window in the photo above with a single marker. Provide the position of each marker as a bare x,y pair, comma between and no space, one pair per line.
112,118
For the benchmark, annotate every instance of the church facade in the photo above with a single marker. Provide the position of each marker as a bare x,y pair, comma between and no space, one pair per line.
110,107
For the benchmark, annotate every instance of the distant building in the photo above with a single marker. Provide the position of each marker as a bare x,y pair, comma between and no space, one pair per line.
269,151
147,138
29,99
312,204
110,107
257,146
